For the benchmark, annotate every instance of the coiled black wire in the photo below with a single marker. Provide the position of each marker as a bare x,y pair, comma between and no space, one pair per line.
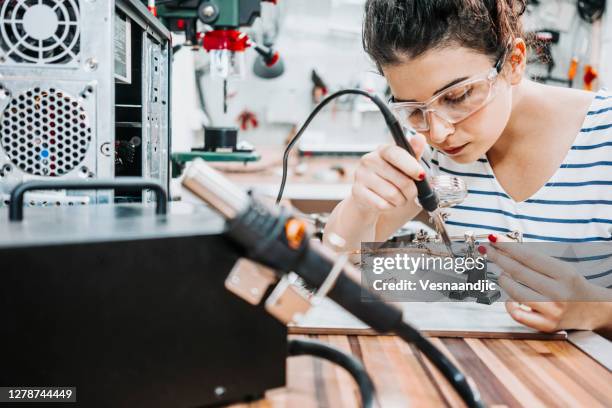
383,109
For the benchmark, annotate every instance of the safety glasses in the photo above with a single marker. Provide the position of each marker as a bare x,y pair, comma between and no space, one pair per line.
453,104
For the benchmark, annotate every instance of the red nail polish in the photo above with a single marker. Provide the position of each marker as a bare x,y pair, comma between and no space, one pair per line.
422,176
492,238
482,250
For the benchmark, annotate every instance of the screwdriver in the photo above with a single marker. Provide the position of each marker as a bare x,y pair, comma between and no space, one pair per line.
571,72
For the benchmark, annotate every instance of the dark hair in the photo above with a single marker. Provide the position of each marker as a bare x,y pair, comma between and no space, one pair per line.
393,29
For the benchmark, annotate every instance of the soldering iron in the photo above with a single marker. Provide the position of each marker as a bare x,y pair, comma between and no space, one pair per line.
426,195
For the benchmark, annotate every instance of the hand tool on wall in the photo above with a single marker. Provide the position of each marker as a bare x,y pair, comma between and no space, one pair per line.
225,41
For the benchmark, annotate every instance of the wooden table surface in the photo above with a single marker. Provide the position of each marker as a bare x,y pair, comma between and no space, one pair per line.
513,373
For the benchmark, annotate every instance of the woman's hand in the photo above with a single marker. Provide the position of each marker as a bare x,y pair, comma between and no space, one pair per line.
382,198
384,178
548,294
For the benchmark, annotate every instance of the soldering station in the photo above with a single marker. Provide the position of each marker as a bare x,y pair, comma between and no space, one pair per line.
114,287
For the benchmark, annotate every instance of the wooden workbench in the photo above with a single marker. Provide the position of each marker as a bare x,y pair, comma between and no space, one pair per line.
512,373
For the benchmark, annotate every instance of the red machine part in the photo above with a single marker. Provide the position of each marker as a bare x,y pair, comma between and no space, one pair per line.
152,7
232,40
247,119
273,60
590,75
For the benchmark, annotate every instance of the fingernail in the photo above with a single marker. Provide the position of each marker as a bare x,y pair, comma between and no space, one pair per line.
482,250
422,176
493,238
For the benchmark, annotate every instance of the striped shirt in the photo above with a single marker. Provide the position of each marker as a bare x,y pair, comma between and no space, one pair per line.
574,206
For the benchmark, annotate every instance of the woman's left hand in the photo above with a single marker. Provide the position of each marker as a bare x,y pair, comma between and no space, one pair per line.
545,293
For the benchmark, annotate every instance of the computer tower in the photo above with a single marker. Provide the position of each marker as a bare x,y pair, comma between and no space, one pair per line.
84,93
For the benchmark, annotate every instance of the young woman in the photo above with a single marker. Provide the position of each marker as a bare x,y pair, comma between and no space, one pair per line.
535,158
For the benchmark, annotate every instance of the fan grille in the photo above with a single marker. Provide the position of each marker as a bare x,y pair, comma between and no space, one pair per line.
45,132
39,31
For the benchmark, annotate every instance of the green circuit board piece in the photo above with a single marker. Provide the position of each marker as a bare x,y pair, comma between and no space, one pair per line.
183,157
180,158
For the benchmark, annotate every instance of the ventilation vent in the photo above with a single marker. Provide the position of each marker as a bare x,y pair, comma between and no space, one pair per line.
45,132
39,31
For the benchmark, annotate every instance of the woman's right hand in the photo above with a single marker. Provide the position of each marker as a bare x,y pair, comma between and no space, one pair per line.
384,178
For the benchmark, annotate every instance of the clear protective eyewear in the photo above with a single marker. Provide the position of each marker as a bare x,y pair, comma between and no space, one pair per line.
453,104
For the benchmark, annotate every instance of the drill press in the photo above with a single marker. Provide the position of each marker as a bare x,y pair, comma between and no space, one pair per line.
226,45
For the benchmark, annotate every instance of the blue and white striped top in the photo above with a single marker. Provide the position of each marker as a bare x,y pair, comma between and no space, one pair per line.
575,205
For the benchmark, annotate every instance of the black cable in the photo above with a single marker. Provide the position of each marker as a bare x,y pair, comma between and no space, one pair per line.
346,361
381,105
425,193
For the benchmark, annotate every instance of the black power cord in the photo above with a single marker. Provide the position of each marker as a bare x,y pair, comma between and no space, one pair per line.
426,195
356,369
346,361
297,136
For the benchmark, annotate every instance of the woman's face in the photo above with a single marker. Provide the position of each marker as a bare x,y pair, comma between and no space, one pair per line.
420,78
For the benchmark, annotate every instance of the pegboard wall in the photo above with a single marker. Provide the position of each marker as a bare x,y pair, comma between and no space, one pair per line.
587,43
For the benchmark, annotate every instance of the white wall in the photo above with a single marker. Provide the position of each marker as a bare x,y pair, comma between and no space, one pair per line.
320,34
576,39
325,35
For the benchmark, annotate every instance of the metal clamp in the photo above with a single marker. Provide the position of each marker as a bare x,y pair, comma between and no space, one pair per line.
423,237
249,280
286,302
470,244
515,235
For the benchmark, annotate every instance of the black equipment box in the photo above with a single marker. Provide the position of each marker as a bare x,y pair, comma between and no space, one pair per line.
130,308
